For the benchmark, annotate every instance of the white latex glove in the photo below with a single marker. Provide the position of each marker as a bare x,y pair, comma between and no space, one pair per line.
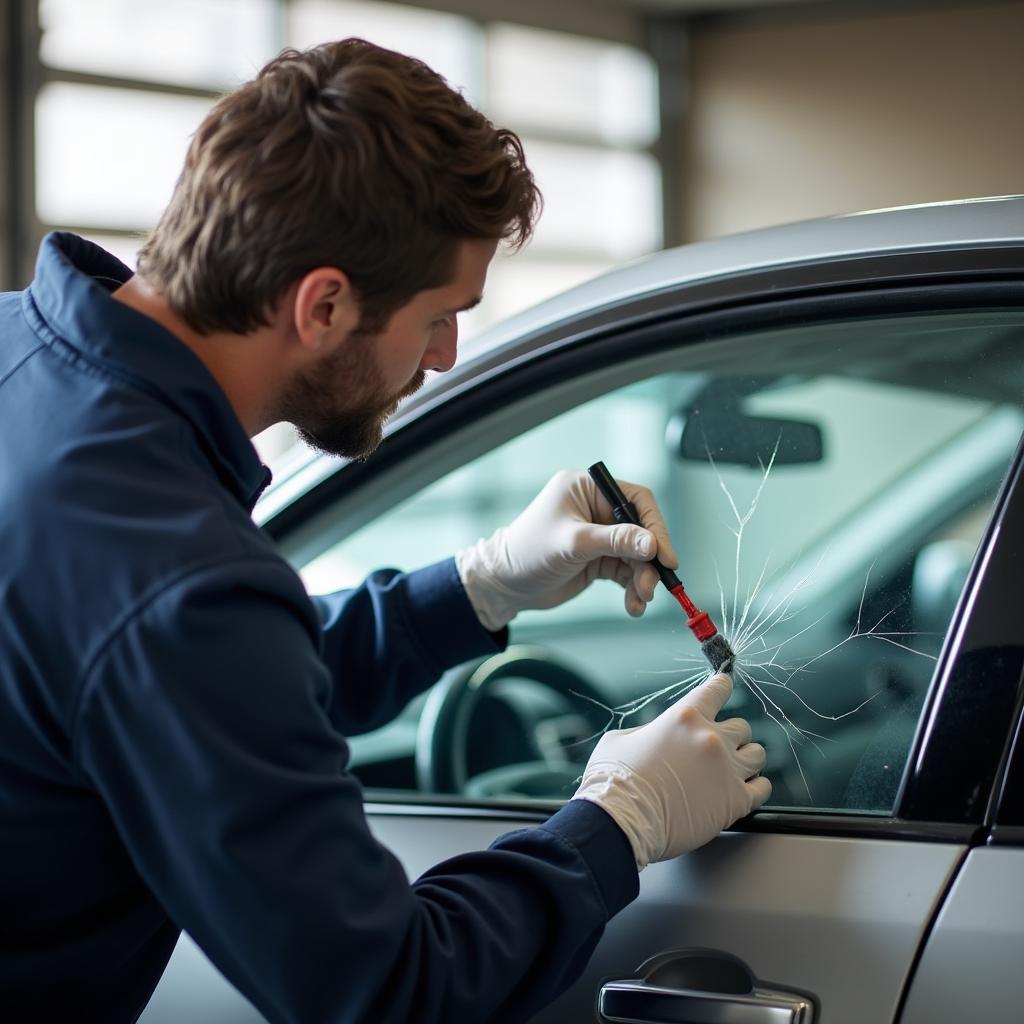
564,540
673,784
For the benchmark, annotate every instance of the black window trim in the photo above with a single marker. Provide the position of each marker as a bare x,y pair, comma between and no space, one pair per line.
1008,799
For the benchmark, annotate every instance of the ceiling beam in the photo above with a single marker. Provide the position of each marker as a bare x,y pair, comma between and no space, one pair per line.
612,22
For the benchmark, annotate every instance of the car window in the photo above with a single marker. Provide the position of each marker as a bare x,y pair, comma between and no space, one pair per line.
826,488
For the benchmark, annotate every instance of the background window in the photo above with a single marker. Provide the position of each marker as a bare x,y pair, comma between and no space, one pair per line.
445,42
109,157
212,43
548,81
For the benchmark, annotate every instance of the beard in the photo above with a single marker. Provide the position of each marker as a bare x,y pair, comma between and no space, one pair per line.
340,406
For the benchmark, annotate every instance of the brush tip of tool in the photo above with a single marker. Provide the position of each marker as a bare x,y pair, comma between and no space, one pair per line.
719,654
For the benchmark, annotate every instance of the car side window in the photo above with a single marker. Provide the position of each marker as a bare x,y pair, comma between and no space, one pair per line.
826,490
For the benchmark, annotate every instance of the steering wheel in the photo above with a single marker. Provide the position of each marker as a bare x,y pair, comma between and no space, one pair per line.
442,739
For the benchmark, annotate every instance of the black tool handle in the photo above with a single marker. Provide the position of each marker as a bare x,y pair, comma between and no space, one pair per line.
625,512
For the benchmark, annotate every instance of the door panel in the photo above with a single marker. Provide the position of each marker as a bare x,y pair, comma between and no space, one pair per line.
837,918
192,989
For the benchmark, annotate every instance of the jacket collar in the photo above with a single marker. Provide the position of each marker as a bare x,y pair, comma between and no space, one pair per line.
69,302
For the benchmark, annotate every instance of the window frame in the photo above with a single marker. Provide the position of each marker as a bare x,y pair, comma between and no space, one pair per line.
926,809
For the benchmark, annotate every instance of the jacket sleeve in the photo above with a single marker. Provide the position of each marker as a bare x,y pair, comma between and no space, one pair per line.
394,636
203,726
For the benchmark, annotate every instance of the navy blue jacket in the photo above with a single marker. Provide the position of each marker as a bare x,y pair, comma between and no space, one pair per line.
172,711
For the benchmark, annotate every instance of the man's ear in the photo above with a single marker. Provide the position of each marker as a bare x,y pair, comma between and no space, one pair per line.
325,308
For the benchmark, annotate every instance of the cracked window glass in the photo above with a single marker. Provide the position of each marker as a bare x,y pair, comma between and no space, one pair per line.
826,488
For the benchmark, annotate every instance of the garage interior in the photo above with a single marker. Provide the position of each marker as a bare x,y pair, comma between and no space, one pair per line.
650,124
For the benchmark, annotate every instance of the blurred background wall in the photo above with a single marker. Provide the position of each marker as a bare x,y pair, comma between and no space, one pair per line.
814,112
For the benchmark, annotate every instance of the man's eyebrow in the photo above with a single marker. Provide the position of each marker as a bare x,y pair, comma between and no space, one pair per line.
466,306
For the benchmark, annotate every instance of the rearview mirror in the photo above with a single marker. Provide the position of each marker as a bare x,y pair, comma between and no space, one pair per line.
717,425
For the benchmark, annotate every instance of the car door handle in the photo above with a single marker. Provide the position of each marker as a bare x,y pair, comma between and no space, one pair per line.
699,986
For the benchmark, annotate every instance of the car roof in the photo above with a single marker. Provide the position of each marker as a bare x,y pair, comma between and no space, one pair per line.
991,221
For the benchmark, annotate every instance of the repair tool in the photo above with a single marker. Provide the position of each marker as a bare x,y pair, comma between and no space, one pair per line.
713,645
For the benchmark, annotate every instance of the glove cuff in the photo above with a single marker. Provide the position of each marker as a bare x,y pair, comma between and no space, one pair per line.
613,789
493,603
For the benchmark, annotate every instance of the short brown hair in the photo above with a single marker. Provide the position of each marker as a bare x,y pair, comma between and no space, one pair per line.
346,155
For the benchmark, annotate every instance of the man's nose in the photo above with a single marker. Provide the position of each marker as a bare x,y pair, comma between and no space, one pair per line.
442,351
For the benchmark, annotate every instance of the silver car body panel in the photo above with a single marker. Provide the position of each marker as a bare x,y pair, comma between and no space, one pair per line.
839,919
970,970
967,224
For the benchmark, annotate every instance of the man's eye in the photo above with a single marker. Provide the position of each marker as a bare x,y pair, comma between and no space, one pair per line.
444,321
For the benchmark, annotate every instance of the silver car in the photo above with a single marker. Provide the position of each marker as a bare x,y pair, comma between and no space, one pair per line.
830,415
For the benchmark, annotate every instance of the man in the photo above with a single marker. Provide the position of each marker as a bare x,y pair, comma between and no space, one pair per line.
172,704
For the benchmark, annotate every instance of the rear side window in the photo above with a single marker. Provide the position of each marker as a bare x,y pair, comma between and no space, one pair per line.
827,488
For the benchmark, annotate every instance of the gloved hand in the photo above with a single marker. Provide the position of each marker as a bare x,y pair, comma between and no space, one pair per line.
673,784
564,540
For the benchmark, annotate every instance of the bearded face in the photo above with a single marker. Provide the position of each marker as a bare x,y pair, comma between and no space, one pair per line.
340,404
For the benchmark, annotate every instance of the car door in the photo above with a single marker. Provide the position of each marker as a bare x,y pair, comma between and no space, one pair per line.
840,471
